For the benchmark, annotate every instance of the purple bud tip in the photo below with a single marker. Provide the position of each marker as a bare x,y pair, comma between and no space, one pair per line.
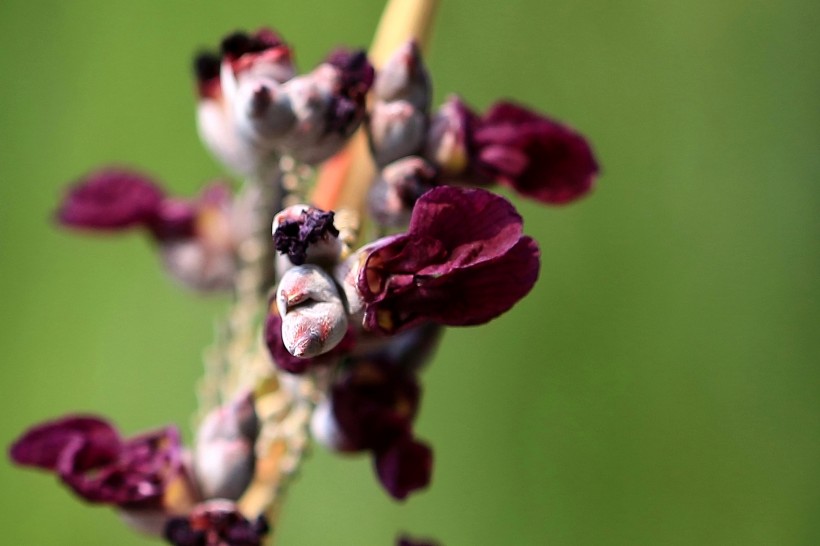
294,237
357,72
111,200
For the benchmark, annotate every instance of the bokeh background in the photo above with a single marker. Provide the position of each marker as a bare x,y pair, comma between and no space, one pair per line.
659,387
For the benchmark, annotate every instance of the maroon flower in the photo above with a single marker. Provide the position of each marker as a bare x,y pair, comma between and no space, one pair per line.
463,261
374,405
216,523
87,453
404,467
111,199
117,200
532,154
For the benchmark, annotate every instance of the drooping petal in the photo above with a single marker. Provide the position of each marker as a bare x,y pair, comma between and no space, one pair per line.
89,456
42,445
111,200
534,155
404,467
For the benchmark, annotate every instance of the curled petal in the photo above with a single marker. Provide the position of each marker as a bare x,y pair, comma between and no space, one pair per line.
91,458
463,261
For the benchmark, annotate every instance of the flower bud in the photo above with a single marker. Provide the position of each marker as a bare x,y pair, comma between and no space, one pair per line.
396,129
224,458
448,137
397,189
313,315
404,77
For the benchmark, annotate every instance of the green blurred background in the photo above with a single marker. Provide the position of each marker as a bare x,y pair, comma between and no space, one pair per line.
659,387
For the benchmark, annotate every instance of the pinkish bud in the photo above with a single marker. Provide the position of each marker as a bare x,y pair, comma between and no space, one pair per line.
396,129
224,458
314,319
404,77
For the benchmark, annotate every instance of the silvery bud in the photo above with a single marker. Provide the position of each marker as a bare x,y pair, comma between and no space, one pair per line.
224,458
404,77
396,129
314,319
325,429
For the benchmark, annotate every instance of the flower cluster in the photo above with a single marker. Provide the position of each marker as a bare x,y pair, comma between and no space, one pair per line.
346,318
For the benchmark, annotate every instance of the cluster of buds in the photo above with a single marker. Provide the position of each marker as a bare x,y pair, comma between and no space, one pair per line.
355,319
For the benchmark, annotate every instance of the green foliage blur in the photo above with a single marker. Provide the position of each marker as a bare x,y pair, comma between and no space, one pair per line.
659,387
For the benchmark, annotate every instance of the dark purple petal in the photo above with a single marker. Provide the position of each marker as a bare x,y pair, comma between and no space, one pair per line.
462,262
294,237
375,404
534,155
138,478
41,446
356,72
404,467
449,144
348,101
111,200
89,456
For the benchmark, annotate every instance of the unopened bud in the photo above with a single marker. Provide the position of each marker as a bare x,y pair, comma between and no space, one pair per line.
224,458
447,139
396,129
404,77
399,185
263,112
314,319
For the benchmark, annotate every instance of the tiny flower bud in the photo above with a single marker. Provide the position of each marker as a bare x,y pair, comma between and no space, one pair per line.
404,77
224,458
397,189
396,129
313,315
447,139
